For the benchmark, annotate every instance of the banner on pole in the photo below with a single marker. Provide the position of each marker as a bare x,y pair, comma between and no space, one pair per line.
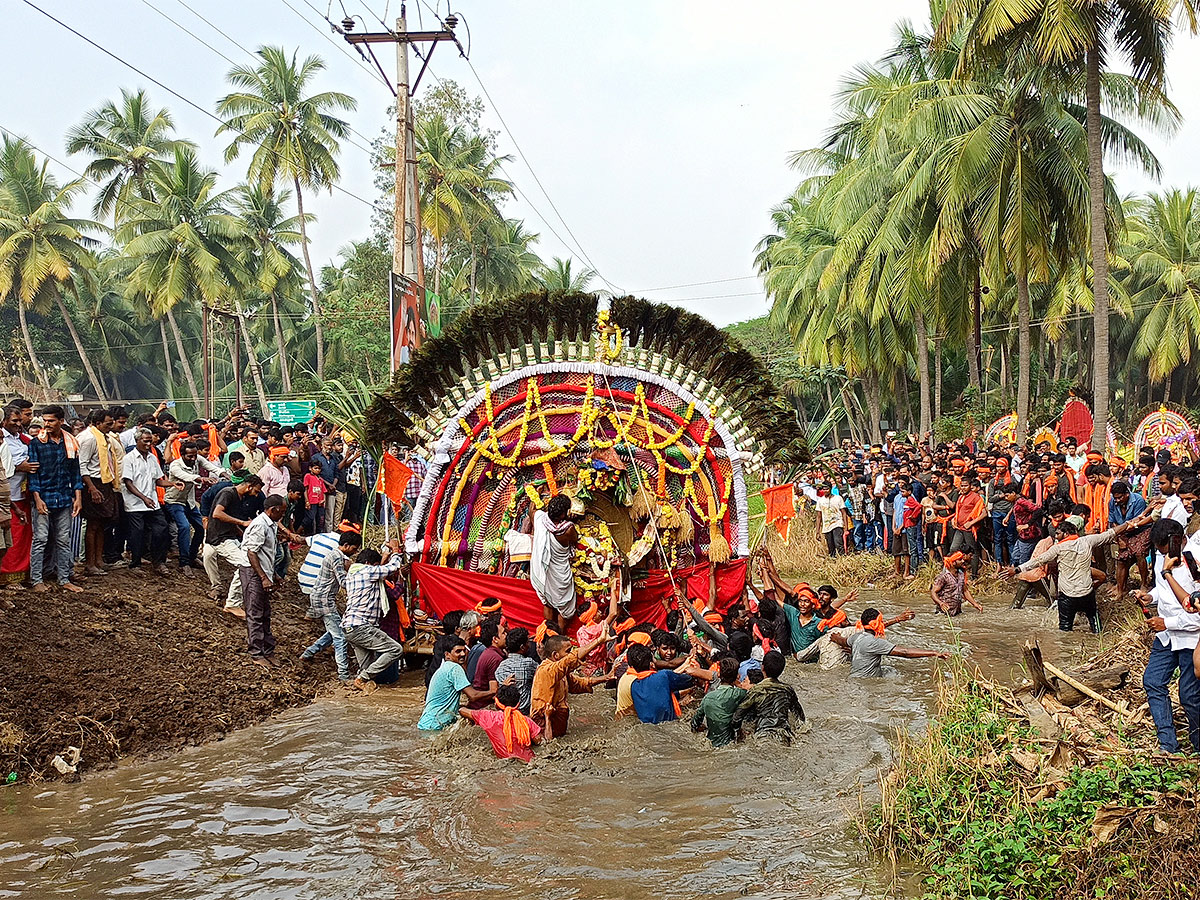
416,315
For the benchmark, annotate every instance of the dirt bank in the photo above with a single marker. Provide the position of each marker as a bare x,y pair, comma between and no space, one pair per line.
138,665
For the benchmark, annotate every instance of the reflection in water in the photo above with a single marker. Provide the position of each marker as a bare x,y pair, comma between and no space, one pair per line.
344,799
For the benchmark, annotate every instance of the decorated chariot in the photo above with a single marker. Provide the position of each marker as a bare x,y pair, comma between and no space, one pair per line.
653,421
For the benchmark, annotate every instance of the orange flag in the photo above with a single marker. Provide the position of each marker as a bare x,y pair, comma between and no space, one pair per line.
393,478
781,508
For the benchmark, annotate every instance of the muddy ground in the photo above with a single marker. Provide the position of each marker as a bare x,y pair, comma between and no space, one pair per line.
138,665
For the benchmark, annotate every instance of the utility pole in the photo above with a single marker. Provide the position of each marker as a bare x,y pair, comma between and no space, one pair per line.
406,254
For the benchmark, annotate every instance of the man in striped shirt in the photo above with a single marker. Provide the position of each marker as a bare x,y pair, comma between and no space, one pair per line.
322,603
365,606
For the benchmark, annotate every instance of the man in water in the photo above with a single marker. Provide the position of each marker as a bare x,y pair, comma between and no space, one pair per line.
446,686
949,588
868,647
720,704
772,705
550,570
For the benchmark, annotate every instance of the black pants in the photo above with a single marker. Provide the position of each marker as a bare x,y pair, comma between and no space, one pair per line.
117,535
1070,607
833,542
147,536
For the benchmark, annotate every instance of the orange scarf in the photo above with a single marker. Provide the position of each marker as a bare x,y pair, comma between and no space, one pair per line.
70,445
875,625
516,728
1097,501
837,620
968,509
638,676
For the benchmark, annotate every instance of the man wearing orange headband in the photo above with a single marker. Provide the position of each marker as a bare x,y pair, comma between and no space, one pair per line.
511,732
949,588
867,649
555,679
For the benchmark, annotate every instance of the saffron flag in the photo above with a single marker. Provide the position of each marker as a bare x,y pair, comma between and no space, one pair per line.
393,479
781,508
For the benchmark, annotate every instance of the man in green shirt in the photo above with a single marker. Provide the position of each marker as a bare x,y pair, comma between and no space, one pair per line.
804,625
719,705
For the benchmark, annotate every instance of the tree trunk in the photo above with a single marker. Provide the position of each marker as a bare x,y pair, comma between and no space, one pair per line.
1099,255
312,285
162,333
251,357
925,426
874,408
38,372
1023,352
973,341
97,385
829,398
937,380
284,370
474,299
437,266
183,359
1167,387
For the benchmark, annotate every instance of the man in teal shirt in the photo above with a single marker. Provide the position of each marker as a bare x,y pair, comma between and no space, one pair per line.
446,687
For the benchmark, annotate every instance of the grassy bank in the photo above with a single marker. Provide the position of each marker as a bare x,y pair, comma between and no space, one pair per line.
985,805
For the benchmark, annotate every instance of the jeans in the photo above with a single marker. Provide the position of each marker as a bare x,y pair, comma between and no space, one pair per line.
148,536
1003,536
373,649
916,544
1022,552
333,635
190,528
61,521
863,535
1159,669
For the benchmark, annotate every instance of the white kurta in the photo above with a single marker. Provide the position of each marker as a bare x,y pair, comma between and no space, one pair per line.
550,566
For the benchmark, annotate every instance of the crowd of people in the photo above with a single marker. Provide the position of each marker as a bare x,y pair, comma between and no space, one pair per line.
80,499
1060,522
728,665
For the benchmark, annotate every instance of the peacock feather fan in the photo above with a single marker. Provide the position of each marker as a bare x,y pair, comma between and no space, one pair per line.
491,330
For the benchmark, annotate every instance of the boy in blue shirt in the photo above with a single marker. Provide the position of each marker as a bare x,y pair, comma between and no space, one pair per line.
654,691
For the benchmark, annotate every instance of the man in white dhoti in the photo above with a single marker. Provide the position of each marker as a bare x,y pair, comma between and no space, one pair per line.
550,564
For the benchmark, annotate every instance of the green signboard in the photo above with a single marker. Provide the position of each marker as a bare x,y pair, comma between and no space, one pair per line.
291,412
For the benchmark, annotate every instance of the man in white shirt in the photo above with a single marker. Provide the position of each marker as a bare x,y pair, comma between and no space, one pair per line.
1177,628
185,474
100,458
141,476
15,564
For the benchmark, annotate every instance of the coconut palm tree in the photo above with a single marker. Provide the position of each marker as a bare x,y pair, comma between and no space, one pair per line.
269,263
1163,253
557,276
1081,38
43,250
185,245
124,142
294,135
502,261
459,184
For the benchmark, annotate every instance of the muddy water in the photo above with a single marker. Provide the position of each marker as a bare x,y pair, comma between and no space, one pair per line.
344,799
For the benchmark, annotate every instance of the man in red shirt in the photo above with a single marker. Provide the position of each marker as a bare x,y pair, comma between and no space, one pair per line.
493,636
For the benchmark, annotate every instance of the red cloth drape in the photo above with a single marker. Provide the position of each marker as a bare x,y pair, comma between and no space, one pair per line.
444,589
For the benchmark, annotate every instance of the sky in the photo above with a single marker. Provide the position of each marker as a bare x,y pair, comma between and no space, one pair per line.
649,138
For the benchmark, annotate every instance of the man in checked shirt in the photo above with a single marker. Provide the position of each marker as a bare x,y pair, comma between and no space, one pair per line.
365,606
322,602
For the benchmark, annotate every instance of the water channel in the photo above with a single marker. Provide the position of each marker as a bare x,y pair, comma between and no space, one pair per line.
345,799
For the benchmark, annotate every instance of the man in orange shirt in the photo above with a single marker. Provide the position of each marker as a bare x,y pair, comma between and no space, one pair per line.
555,678
969,511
